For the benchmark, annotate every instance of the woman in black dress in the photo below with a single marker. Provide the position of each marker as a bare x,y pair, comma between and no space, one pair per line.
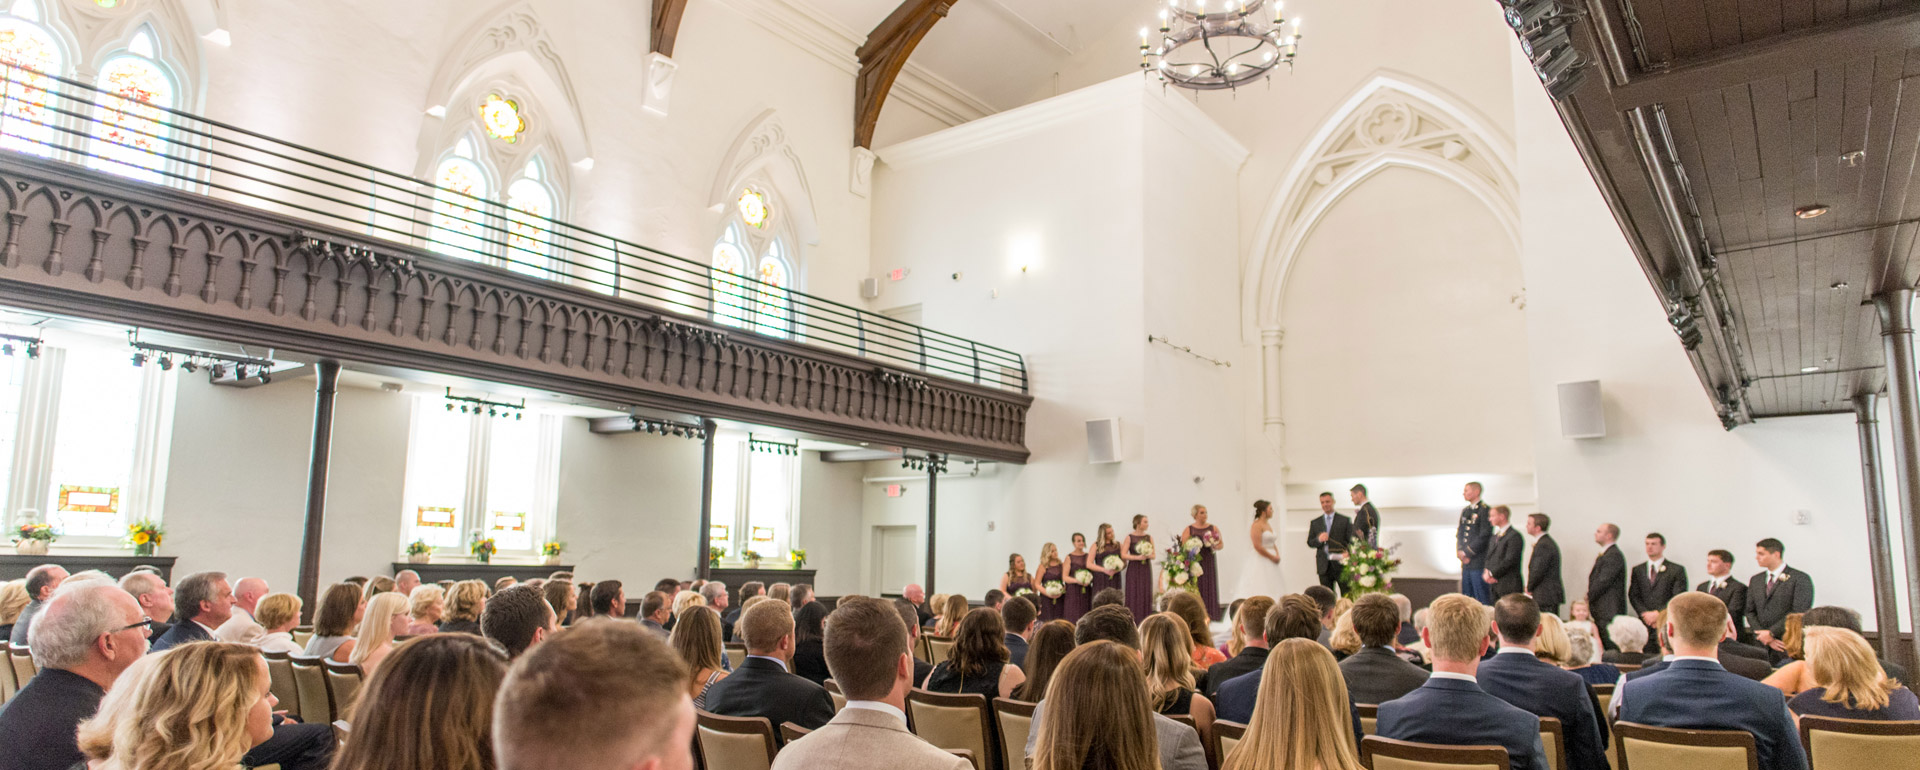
1139,572
809,639
1017,581
1079,581
1052,577
1105,548
977,663
1210,543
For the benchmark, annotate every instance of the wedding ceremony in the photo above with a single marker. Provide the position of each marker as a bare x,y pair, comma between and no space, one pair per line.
959,384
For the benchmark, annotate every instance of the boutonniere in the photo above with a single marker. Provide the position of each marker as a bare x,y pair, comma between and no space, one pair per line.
1783,577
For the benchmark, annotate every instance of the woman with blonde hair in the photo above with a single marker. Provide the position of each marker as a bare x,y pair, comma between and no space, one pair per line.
278,614
425,606
465,601
1098,715
685,599
1050,569
1187,606
340,610
13,599
1344,640
429,707
1301,717
947,622
1167,649
1551,644
696,637
1848,681
194,707
377,585
385,619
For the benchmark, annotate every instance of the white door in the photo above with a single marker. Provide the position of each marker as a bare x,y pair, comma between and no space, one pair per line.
896,558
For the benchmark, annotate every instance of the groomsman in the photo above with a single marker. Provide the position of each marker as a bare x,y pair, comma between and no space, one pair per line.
1730,592
1607,581
1774,594
1543,567
1503,570
1328,536
1366,519
1471,541
1654,584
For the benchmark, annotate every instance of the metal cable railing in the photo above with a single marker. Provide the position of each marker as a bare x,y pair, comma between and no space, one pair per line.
72,121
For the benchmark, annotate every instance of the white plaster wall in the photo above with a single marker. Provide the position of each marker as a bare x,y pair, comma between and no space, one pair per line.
830,524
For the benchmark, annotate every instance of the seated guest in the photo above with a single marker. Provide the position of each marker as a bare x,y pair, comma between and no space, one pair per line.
1018,616
1581,646
1108,596
1167,649
204,601
241,626
809,636
685,599
763,686
779,592
714,595
155,598
995,598
1578,628
1329,610
373,641
517,619
1302,717
405,581
1695,692
42,581
1051,643
655,613
446,682
84,639
203,705
696,638
1098,713
1520,675
1188,606
602,695
1375,674
561,598
748,591
425,606
866,649
1237,639
908,615
1343,642
1407,633
583,607
1293,617
800,596
340,610
1451,709
1416,647
1179,745
377,585
609,599
501,583
1250,627
1551,643
278,614
1830,616
1849,682
1629,637
947,623
13,599
465,601
977,663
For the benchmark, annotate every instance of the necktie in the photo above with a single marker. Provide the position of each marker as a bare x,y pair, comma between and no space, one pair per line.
1772,579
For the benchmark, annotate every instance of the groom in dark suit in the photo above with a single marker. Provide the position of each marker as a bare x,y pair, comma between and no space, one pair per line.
1543,567
1655,583
1328,536
1774,594
1607,582
1366,518
1504,571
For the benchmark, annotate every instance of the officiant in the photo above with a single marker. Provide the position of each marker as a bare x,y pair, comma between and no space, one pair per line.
1328,536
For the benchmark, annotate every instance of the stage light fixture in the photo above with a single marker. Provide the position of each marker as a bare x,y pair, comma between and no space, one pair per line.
166,364
266,376
139,359
188,366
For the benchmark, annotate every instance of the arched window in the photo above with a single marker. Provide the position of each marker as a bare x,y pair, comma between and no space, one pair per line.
502,188
771,308
459,214
129,133
530,224
754,235
730,304
30,54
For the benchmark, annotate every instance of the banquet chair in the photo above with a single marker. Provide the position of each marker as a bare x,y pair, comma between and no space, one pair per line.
734,743
951,721
1377,753
1656,748
1854,743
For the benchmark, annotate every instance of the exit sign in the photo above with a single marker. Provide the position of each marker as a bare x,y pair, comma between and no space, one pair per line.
893,490
898,274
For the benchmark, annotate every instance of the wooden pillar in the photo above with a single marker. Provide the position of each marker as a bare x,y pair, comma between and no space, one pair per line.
326,387
934,466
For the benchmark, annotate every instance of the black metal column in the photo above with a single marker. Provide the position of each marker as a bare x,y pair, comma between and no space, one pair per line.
934,465
326,387
704,568
1879,550
1903,407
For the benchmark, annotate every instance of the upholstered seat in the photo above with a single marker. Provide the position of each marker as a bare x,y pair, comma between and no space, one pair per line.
734,743
8,686
1836,744
1226,736
280,681
343,681
1015,720
310,689
1656,748
1553,738
1605,691
939,648
736,655
954,722
790,732
1377,753
1369,716
839,698
21,661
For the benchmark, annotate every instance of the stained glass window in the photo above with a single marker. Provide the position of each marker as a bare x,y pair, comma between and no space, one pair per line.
754,209
459,217
502,118
129,133
730,302
30,55
436,478
770,300
529,227
512,479
93,445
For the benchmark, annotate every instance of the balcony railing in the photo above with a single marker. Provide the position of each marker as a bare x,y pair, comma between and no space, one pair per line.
69,120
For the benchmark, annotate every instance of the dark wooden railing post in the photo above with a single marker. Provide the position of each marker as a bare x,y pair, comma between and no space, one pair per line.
326,387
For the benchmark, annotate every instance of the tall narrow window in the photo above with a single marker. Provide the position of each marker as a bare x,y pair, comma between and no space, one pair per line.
471,473
754,494
752,273
30,56
459,213
436,487
730,296
770,300
93,444
530,223
130,132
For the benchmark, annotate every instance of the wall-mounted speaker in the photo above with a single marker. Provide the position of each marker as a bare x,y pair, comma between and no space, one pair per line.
1103,440
870,288
1581,413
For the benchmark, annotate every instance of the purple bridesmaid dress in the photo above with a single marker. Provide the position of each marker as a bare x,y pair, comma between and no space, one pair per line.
1209,573
1139,580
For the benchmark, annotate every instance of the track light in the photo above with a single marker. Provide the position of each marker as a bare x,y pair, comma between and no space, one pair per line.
188,366
266,376
139,359
166,364
218,371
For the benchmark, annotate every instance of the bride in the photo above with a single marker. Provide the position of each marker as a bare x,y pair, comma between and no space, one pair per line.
1260,576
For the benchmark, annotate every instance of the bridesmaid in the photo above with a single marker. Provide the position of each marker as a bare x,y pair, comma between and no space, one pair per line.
1139,570
1017,581
1104,547
1209,573
1079,597
1051,571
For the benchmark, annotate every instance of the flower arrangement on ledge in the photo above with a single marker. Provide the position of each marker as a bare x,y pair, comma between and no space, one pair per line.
714,555
418,552
751,557
1181,569
551,550
482,548
1369,569
33,539
145,535
798,557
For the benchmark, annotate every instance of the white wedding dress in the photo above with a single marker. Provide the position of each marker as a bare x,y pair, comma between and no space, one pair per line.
1259,577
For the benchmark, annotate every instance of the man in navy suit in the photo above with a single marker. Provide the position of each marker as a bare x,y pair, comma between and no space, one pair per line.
764,685
1017,615
1516,676
1451,709
1543,566
1696,693
1252,620
1328,536
204,600
1471,541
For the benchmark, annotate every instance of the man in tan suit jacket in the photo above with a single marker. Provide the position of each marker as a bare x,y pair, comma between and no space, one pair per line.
866,650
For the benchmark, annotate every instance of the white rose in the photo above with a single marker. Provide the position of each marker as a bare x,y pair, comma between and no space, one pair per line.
1199,570
1364,569
1179,578
1367,580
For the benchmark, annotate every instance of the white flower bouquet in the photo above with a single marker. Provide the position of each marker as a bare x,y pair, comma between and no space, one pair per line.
1144,548
1085,576
1113,563
1053,589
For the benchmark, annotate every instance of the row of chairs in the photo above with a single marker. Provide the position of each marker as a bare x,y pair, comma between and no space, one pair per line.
315,689
18,669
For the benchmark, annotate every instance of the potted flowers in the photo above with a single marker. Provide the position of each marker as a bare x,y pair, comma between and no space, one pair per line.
144,535
482,548
798,557
714,554
418,552
551,550
752,558
33,539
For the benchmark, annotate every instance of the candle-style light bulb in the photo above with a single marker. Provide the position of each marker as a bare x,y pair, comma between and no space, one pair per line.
1296,25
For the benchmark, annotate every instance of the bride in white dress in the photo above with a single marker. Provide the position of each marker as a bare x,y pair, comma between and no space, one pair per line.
1260,575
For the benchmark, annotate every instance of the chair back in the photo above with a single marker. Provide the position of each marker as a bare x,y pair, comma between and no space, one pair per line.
736,654
790,732
952,721
1015,720
1627,667
1377,753
839,698
734,743
1553,737
343,681
1605,693
1226,736
21,661
301,634
310,689
1856,743
939,648
7,684
280,681
1652,748
1369,717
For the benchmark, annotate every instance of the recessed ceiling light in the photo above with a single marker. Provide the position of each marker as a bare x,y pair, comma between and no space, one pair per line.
1811,210
1807,369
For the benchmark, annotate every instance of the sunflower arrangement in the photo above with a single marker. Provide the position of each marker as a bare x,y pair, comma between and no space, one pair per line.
145,535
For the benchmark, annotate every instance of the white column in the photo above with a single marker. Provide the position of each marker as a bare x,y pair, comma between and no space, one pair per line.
1275,423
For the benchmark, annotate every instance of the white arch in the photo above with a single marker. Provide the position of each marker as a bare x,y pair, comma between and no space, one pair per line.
511,44
1440,136
762,149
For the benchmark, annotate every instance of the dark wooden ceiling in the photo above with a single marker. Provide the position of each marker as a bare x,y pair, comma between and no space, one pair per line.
1707,123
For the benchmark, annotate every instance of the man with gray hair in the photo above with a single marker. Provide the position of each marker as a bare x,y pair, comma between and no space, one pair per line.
1407,634
715,592
204,601
85,637
404,582
155,598
240,626
42,581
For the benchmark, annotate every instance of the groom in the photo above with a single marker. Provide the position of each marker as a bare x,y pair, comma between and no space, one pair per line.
1328,537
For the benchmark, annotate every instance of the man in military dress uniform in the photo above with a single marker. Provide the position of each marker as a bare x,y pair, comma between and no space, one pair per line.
1472,540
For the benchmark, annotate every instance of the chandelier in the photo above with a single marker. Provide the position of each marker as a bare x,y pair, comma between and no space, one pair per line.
1224,47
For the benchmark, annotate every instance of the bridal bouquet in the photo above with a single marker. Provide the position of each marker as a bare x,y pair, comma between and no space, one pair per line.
1181,567
1053,589
1113,563
1369,569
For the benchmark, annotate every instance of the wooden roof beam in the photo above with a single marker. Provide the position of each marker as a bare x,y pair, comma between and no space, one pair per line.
882,57
1896,30
666,25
